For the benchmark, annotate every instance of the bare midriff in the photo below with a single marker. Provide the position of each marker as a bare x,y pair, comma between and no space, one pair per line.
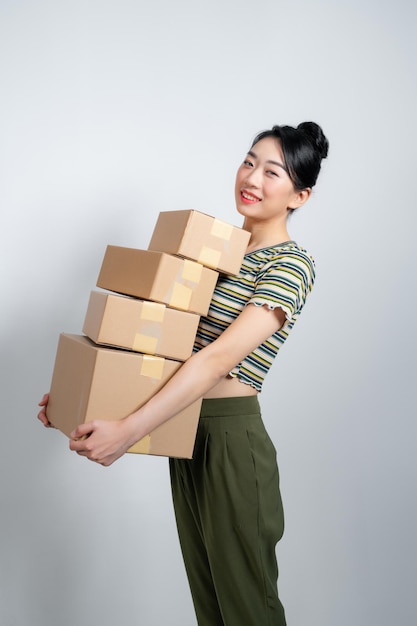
230,387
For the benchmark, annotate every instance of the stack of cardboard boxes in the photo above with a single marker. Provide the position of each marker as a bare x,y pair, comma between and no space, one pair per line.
139,331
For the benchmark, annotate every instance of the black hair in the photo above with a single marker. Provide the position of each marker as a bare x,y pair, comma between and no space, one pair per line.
303,148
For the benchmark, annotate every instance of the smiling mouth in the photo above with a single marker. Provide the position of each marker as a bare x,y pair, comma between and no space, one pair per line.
248,197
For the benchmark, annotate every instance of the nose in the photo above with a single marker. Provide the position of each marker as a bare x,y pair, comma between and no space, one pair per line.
252,178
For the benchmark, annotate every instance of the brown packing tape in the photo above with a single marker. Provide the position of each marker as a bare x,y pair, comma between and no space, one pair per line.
191,271
152,366
145,343
142,447
209,257
180,296
152,311
221,229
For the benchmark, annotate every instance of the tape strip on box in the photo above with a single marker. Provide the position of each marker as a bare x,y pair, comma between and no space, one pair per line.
152,311
191,271
180,297
209,257
142,447
145,343
221,229
152,366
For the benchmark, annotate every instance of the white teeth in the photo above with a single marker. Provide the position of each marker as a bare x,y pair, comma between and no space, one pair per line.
248,196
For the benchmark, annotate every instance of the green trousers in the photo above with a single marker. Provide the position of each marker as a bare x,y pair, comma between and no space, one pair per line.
229,516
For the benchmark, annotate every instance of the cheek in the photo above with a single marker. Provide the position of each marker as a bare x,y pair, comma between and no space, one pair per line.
239,175
239,180
273,190
278,190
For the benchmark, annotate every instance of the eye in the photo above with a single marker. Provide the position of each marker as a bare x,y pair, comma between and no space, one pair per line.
272,173
248,163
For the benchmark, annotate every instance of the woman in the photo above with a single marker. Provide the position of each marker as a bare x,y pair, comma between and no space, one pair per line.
227,500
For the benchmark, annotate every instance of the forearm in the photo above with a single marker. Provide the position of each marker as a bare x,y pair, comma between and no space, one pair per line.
194,378
205,369
105,441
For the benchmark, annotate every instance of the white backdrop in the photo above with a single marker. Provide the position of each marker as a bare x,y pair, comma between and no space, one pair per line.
113,111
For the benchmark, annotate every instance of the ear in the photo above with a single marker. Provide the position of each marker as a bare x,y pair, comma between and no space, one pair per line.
300,198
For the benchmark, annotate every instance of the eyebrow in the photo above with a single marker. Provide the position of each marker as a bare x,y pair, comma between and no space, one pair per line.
277,163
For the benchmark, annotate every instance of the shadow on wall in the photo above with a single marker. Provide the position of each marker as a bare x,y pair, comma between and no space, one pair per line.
65,521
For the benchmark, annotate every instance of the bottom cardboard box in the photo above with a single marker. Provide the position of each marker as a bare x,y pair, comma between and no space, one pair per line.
95,382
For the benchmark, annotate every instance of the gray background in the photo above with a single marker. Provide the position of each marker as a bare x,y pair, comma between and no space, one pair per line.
114,111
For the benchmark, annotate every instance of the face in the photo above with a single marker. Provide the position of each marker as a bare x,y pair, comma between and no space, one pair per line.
264,189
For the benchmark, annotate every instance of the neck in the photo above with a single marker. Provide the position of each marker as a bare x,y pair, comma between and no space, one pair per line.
264,235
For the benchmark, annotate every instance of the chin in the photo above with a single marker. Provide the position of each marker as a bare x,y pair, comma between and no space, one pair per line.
246,210
242,211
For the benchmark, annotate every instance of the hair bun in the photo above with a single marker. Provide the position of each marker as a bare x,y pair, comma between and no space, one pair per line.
315,134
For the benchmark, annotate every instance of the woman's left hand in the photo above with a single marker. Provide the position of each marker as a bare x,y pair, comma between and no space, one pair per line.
101,441
42,413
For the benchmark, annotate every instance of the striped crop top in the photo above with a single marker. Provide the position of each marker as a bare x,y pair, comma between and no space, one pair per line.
277,276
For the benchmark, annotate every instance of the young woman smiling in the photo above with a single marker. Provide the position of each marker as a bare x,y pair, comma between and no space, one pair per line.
227,500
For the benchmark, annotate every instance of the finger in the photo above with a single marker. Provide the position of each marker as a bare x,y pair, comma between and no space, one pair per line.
45,399
80,445
82,431
42,417
83,453
88,454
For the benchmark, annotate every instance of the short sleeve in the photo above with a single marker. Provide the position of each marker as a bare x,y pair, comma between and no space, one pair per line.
285,282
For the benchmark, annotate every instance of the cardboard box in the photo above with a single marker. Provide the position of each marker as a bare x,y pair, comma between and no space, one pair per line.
140,325
93,382
204,239
179,283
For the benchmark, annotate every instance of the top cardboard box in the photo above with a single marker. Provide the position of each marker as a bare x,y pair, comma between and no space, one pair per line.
202,238
179,283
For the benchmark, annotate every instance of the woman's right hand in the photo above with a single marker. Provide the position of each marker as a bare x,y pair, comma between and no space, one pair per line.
42,413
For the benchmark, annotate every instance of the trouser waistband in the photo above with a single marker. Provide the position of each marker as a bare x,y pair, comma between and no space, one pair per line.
221,407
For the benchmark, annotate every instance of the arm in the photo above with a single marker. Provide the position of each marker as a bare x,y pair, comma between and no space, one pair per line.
107,441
